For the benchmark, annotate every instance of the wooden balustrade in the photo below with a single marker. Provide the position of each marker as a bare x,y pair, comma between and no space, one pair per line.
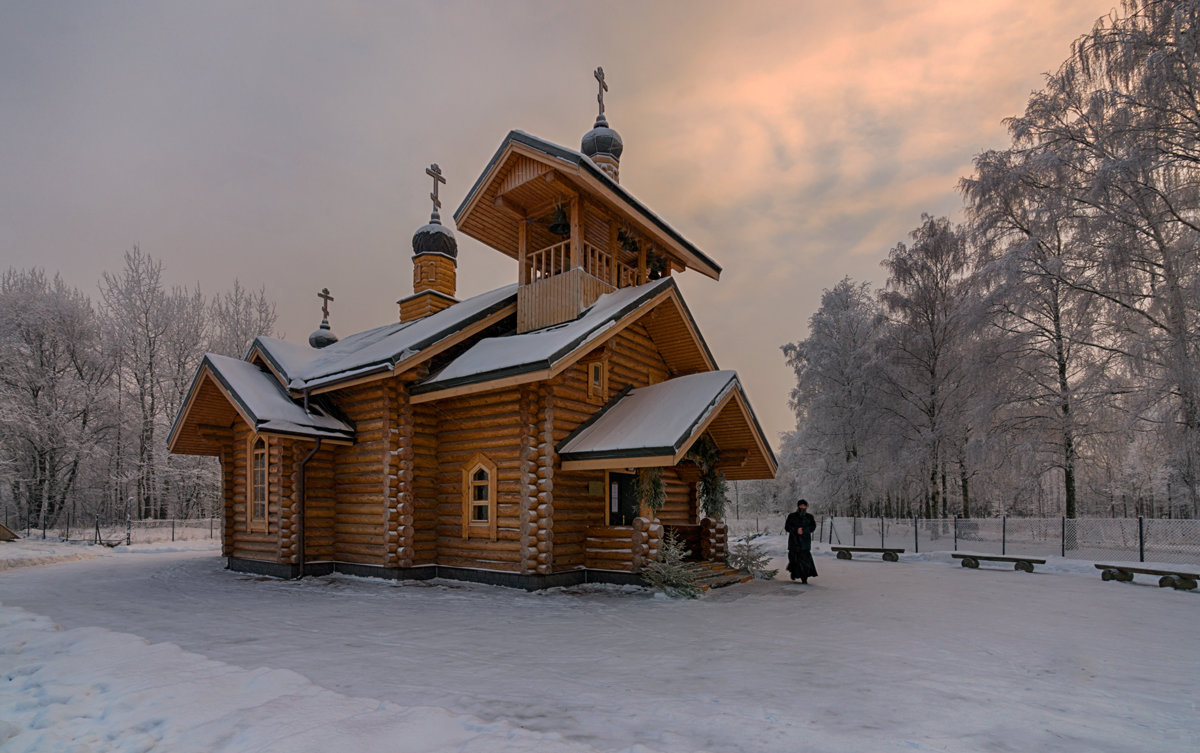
549,261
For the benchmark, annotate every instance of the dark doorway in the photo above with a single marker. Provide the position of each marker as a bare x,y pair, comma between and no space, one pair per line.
622,498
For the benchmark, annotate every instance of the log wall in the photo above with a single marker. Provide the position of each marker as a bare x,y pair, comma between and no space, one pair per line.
425,481
361,481
318,504
258,544
487,424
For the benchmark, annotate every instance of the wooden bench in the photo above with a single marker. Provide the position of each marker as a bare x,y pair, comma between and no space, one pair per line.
846,552
1019,563
1176,579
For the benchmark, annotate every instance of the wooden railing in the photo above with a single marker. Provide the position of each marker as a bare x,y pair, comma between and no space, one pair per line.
556,259
549,261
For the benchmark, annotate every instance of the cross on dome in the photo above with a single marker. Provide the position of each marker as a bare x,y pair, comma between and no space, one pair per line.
435,172
599,74
326,298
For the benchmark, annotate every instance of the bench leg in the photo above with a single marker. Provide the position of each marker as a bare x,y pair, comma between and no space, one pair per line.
1109,574
1023,565
844,555
970,562
1184,584
891,557
1124,577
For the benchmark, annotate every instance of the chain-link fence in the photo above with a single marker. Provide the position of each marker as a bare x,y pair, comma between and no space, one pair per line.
1119,539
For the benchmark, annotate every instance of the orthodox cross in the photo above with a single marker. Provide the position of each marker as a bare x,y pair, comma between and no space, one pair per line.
324,294
599,74
435,172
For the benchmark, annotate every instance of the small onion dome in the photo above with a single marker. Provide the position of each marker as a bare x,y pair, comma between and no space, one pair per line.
322,336
435,238
602,140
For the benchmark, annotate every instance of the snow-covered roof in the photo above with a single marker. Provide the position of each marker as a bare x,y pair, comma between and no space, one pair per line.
267,405
573,157
378,349
658,420
509,355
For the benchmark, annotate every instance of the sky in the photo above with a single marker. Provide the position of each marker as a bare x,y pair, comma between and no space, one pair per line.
284,144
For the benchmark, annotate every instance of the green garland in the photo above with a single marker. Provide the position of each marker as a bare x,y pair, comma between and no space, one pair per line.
651,489
712,489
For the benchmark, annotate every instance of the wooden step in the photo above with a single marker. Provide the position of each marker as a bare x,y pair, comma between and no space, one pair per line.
721,575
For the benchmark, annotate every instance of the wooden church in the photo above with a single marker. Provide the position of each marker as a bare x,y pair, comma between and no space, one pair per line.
545,433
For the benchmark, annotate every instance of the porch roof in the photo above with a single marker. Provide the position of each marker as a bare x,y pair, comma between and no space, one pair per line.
657,425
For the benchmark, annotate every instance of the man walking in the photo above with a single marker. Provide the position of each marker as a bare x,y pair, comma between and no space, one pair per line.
800,527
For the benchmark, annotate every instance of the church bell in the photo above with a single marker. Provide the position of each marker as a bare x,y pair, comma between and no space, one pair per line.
559,224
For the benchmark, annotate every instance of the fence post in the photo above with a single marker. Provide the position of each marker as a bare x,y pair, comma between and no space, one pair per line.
882,538
1141,539
210,526
172,530
128,529
1003,534
97,541
67,537
956,533
854,531
1064,536
916,535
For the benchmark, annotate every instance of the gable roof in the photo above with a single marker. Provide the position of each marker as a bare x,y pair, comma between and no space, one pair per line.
581,166
382,349
260,400
541,353
657,425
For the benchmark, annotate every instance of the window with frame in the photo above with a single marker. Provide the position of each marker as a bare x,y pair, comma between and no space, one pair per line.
597,379
479,498
258,483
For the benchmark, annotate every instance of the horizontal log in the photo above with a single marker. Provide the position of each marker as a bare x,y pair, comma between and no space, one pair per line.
452,561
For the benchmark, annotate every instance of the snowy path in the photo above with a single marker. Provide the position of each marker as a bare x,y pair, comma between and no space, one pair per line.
918,655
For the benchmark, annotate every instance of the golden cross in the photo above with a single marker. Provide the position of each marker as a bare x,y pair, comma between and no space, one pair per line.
435,172
324,294
599,74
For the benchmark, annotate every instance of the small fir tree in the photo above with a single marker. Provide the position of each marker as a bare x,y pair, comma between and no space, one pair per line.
751,557
671,573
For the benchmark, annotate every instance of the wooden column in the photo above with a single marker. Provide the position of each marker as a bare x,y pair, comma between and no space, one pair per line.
576,231
522,250
642,264
614,247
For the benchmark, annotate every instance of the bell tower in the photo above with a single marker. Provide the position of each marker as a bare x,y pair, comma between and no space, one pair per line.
435,262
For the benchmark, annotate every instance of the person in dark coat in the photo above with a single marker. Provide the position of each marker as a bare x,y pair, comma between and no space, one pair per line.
800,526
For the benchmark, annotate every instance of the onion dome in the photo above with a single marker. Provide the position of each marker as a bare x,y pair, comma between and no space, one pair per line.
322,336
435,238
602,140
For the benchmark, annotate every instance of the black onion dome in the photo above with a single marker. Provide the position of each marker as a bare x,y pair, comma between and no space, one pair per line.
602,140
322,336
435,238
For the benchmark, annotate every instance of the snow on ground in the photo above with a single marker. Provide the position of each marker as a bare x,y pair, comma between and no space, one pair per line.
920,655
26,552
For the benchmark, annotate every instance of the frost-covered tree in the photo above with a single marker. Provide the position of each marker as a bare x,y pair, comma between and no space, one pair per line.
835,368
55,399
237,317
930,303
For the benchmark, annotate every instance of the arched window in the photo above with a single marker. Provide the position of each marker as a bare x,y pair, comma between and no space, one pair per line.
258,484
479,499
